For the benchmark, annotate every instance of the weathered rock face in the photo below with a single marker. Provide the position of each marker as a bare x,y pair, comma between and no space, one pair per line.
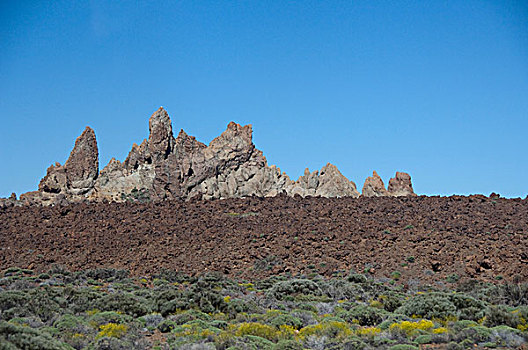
164,167
75,179
401,185
328,182
374,187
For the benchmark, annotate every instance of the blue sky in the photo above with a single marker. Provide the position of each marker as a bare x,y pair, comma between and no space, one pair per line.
438,89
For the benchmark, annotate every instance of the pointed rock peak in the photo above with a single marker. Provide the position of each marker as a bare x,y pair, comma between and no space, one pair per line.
160,126
236,136
161,139
85,151
182,134
80,171
374,186
188,142
330,169
401,185
306,172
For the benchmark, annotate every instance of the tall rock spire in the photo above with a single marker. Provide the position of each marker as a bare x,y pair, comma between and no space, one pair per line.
161,140
78,175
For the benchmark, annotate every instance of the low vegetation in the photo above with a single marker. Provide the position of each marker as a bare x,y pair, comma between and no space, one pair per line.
108,309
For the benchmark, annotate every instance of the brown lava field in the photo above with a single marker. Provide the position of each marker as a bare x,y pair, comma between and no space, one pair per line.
426,239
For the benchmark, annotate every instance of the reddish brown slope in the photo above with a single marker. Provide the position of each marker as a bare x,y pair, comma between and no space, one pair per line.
254,237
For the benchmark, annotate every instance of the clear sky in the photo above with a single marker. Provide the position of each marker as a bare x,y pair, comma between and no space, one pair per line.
438,89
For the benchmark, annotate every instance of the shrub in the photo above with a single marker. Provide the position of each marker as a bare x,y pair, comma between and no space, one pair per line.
452,278
368,331
332,329
411,328
391,301
433,305
396,275
151,321
256,329
107,274
285,319
70,323
12,304
423,339
507,336
19,337
294,287
288,345
357,278
100,318
363,315
124,302
500,315
112,330
404,347
166,326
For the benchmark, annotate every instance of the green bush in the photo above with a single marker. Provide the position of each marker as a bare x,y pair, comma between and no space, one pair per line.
429,306
166,326
364,315
285,319
124,302
357,278
18,337
404,347
294,287
288,345
501,315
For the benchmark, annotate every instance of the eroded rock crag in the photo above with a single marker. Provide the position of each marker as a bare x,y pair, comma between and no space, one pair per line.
164,167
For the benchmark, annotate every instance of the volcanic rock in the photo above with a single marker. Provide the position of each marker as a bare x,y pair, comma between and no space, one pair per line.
163,167
401,185
374,187
78,175
75,179
328,182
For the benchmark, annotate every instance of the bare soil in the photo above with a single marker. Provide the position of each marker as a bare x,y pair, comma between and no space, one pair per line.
425,239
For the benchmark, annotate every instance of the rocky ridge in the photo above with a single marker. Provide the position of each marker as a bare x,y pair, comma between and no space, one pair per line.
164,167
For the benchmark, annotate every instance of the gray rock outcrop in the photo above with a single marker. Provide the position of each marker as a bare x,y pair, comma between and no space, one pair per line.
328,182
164,167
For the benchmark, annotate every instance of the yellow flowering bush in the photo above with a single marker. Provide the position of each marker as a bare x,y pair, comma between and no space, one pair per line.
368,332
333,329
440,330
256,329
113,330
410,328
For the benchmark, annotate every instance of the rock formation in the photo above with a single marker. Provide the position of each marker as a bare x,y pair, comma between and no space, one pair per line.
401,185
164,167
374,187
75,179
328,182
